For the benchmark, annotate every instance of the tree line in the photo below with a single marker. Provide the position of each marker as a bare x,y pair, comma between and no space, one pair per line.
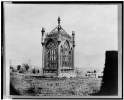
24,68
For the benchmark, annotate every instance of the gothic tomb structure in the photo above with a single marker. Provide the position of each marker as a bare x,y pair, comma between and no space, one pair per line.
58,52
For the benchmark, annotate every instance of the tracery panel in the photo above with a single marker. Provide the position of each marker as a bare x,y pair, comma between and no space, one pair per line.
51,55
66,48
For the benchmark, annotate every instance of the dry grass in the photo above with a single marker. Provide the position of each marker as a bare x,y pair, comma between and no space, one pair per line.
37,86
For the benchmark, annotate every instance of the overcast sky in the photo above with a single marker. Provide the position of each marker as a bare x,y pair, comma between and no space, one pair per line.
95,29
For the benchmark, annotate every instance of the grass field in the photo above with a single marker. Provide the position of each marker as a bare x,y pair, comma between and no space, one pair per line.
37,86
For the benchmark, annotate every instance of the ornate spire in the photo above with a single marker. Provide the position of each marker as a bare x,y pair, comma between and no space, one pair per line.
73,38
58,20
43,30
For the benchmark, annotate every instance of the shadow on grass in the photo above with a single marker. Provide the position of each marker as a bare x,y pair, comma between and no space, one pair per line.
13,91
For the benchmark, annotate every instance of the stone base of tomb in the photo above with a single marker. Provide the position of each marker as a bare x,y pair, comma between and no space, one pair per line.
69,72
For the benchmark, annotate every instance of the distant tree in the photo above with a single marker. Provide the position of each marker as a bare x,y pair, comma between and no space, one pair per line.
94,71
34,71
38,71
22,70
18,67
26,66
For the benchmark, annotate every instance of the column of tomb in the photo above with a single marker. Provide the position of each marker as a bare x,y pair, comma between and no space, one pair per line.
61,61
59,41
43,47
73,39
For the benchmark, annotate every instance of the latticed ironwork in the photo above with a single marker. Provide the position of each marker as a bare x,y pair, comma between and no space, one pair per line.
67,57
51,55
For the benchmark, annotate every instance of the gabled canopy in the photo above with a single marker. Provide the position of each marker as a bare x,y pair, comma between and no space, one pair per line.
61,32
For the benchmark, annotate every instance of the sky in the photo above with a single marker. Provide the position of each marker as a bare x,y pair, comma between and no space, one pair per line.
95,29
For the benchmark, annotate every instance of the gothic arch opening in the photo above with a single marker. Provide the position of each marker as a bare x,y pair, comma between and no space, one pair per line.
66,45
51,55
66,56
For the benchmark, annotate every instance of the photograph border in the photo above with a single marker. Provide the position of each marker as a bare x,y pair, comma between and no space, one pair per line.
4,83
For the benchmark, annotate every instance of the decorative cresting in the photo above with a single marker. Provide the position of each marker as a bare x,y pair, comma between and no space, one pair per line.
57,52
61,31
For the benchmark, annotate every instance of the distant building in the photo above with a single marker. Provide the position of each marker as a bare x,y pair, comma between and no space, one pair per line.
90,74
99,75
58,52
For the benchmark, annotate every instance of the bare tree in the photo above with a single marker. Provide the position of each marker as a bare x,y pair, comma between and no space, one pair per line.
78,72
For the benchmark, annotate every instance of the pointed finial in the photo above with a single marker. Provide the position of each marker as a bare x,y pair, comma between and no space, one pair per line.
73,32
59,20
43,30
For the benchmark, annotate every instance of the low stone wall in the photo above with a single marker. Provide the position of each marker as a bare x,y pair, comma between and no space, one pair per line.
68,75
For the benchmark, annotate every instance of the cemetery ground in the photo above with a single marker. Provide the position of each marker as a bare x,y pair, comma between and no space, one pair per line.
36,85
